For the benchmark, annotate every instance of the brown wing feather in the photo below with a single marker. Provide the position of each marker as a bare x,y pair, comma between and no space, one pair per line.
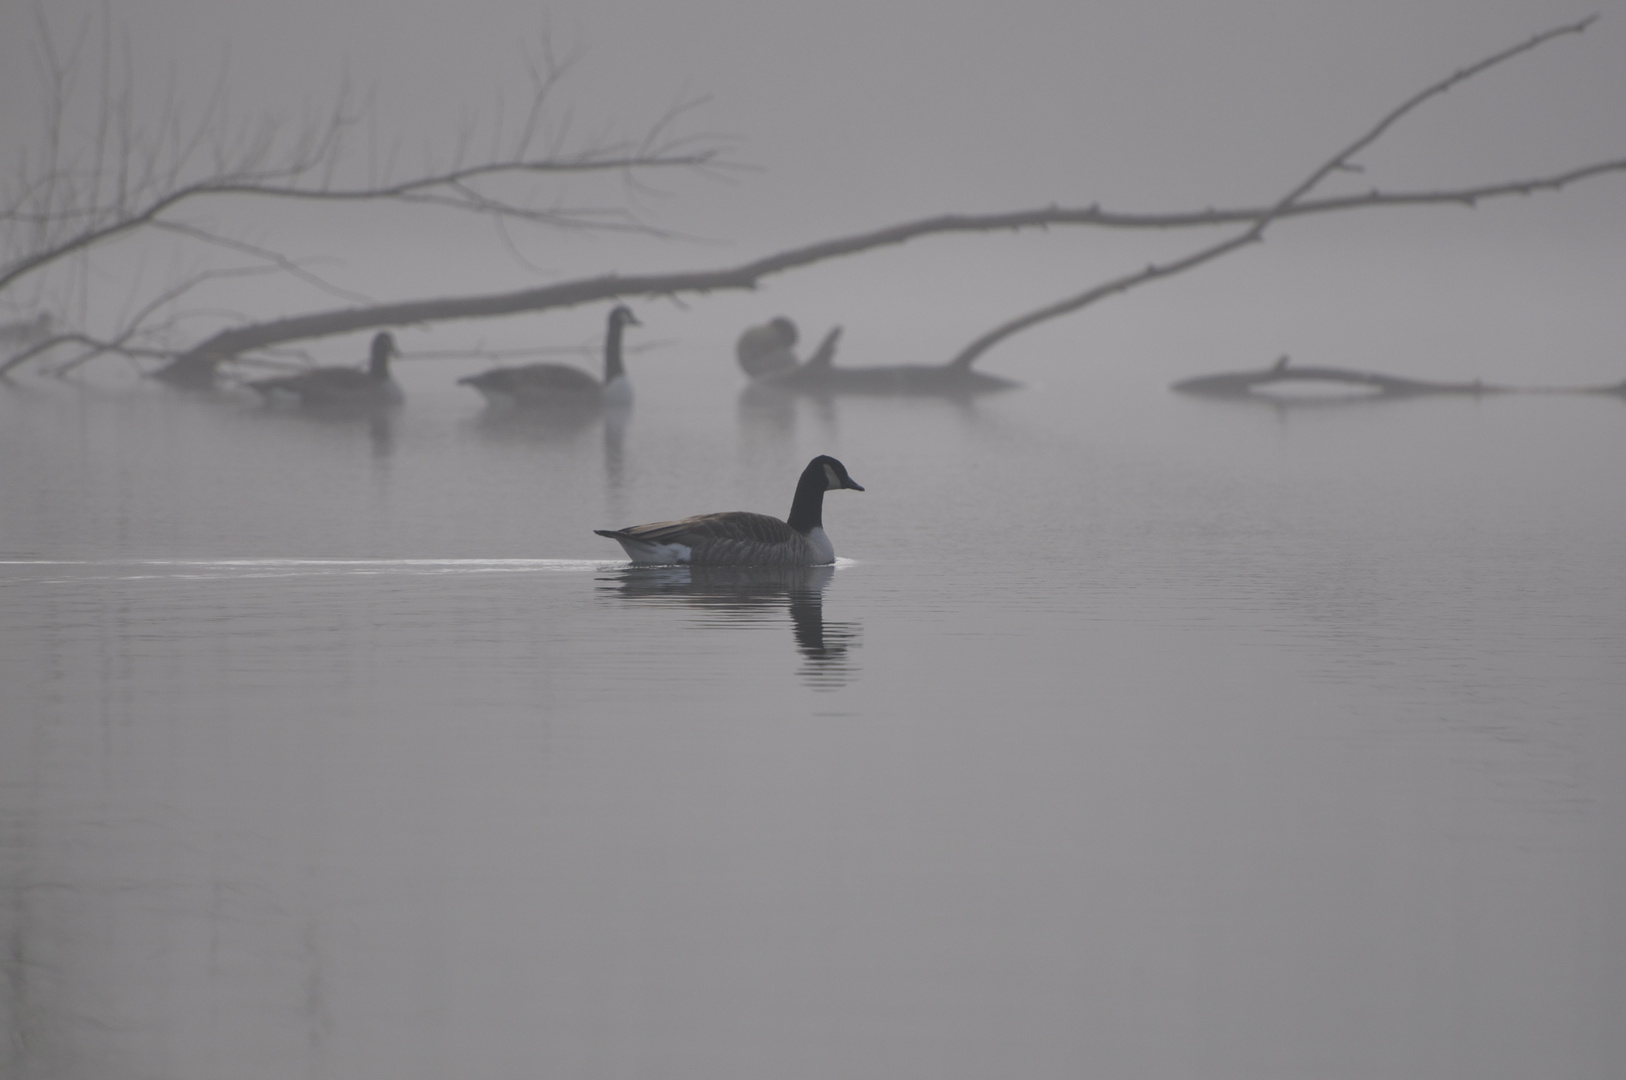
736,525
733,538
536,379
331,380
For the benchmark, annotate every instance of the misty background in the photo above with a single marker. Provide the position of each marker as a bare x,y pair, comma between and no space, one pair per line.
849,117
1132,734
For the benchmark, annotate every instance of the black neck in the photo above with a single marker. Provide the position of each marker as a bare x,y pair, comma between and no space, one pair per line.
379,366
612,352
807,508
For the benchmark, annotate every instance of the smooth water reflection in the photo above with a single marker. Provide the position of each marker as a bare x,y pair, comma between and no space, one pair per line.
561,426
1134,737
50,571
742,597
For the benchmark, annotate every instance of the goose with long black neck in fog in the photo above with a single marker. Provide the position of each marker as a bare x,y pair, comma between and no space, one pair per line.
339,387
741,538
559,386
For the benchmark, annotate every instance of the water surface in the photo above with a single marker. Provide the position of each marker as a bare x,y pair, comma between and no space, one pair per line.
1132,736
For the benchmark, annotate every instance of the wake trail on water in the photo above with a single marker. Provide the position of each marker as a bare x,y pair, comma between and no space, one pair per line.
82,570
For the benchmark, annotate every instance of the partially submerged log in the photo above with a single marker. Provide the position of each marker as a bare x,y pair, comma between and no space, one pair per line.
1242,384
821,376
1247,384
1613,389
912,380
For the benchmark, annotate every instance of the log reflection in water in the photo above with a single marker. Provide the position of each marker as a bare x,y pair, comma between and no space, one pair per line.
745,594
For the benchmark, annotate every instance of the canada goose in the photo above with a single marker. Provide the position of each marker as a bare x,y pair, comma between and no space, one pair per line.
340,387
740,538
558,385
767,349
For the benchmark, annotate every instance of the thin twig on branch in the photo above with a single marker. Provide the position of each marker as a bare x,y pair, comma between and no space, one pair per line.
446,190
126,176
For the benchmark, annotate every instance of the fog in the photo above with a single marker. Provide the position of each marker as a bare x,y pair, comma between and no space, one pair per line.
1130,734
843,119
858,113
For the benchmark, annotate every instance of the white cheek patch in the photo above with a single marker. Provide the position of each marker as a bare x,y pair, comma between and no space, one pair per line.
832,481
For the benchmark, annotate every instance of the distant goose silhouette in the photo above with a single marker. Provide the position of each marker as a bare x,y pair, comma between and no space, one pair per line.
767,349
561,386
740,538
340,387
770,349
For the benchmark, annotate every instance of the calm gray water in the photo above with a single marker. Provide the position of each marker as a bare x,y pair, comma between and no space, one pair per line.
1133,736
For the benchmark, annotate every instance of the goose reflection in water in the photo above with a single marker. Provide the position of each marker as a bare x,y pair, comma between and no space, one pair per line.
747,594
769,414
542,427
335,420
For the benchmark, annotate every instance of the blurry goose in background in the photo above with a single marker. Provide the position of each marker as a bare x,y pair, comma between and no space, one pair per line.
561,386
770,349
740,538
339,387
766,349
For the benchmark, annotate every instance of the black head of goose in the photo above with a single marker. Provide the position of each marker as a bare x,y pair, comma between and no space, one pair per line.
559,385
741,538
339,386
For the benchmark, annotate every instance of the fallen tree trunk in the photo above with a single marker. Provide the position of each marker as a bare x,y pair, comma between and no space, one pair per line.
227,344
916,380
1614,389
1241,384
821,376
1244,384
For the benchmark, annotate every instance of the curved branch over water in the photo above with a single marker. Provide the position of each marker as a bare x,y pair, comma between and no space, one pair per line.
1340,161
747,276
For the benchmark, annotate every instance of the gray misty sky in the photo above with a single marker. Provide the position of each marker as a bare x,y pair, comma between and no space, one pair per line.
860,113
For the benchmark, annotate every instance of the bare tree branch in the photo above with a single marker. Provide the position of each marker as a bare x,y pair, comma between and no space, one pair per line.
134,327
298,269
230,342
1339,162
449,190
126,178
